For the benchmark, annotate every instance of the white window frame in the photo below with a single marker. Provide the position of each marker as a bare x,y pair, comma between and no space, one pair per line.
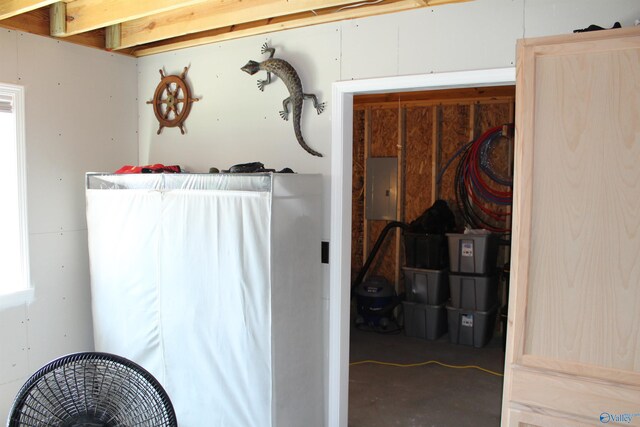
22,292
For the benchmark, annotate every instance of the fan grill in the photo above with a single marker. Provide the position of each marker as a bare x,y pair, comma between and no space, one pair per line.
92,389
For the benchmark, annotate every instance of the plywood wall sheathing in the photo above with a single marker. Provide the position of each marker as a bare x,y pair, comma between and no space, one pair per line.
366,151
357,198
455,131
419,177
384,132
436,153
402,137
384,140
491,115
384,263
424,140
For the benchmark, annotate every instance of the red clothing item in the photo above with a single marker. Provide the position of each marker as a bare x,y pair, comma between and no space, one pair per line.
156,168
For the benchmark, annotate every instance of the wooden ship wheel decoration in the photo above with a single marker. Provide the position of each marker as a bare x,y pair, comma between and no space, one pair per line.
172,101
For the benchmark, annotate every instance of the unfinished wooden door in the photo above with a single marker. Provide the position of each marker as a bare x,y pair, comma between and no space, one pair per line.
573,355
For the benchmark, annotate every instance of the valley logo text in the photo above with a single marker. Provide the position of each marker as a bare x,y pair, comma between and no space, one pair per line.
607,417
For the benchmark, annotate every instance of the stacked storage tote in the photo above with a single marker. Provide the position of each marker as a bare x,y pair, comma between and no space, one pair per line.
426,286
473,284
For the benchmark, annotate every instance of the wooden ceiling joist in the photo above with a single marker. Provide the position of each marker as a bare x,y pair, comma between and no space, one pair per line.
145,27
58,19
213,15
113,36
37,22
87,15
273,24
10,8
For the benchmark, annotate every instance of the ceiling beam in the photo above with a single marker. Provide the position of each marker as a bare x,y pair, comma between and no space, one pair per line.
9,8
87,15
58,18
112,37
216,14
277,24
199,22
37,22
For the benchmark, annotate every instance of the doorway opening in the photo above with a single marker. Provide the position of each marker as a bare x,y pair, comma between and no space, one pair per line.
341,185
410,151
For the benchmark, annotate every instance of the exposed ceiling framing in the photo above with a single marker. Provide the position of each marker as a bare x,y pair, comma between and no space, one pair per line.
146,27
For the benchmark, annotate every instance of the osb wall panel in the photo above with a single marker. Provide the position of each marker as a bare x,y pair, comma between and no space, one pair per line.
500,153
455,132
489,115
418,161
357,204
384,143
384,263
450,126
384,132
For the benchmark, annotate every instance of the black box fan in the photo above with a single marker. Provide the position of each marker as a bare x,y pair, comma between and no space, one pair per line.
92,390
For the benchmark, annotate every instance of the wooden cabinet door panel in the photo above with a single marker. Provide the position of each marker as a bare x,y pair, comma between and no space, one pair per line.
574,317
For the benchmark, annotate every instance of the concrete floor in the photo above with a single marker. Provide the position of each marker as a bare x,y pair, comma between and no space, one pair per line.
431,395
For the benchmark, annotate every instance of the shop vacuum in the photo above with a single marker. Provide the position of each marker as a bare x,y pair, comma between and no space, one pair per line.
375,300
375,297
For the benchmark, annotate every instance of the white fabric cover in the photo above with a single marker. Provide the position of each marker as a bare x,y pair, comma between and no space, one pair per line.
183,283
6,104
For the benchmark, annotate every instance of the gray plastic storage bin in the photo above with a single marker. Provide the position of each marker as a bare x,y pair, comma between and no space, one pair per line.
473,253
424,321
469,327
473,292
426,286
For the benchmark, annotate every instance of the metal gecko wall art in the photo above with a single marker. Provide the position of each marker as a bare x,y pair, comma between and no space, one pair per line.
290,78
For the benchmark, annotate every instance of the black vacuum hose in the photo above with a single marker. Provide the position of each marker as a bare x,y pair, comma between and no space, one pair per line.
374,250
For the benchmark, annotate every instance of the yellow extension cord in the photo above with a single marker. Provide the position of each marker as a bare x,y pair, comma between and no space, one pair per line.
429,362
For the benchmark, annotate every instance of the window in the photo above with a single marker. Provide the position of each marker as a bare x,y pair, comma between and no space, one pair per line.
14,251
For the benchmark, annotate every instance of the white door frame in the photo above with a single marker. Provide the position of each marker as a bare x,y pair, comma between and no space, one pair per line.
341,169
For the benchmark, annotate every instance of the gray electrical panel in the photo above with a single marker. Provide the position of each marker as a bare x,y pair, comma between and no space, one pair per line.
382,188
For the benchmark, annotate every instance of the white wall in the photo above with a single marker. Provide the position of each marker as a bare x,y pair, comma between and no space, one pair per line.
81,115
236,123
82,108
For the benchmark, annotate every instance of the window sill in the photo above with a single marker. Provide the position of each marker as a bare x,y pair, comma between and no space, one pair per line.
15,298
